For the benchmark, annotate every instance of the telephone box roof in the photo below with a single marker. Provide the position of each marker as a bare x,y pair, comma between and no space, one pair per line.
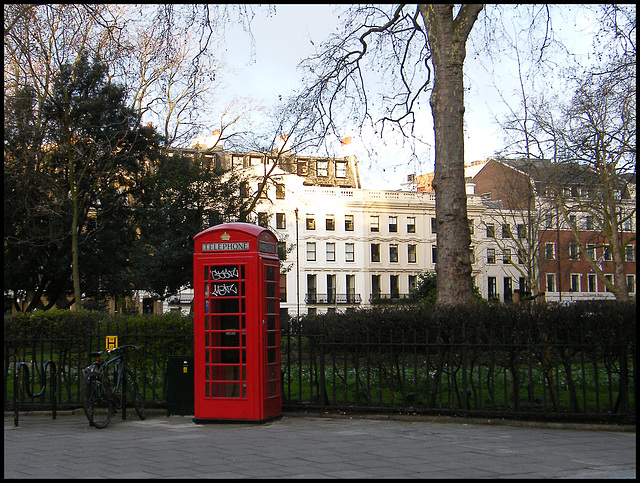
248,228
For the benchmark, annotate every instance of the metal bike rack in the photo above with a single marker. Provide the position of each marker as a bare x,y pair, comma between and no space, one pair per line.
43,382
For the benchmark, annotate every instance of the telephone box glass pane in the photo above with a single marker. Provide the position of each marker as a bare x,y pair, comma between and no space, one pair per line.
225,331
272,317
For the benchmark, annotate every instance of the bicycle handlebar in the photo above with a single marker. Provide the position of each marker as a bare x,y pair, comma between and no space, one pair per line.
117,349
124,347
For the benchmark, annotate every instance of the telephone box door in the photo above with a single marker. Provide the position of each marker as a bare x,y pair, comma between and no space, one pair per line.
221,362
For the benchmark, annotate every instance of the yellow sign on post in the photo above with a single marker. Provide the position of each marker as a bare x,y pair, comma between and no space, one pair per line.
112,342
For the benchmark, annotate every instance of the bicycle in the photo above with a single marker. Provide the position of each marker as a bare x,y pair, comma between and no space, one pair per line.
99,400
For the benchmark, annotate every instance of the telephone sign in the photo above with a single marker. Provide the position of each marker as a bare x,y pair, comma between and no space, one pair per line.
236,324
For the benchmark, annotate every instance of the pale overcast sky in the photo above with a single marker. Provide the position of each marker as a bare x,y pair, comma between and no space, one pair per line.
284,39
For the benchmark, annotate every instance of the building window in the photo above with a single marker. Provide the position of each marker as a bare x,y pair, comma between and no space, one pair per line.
311,289
573,221
279,191
375,286
331,252
491,231
375,223
375,252
506,231
282,250
244,190
434,254
607,254
331,289
311,251
591,252
411,253
627,225
575,282
393,224
349,252
322,168
506,256
394,286
631,283
351,289
348,222
492,288
330,223
281,221
311,222
522,231
491,255
263,220
393,253
341,169
609,277
507,286
302,168
548,221
574,251
411,224
434,225
589,225
471,227
523,286
592,282
283,287
551,282
630,253
237,161
549,251
413,282
147,305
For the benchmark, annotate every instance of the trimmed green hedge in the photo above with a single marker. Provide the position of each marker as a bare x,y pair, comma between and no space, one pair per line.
589,322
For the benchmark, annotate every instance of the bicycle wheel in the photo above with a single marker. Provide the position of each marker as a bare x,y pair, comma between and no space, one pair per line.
96,400
134,397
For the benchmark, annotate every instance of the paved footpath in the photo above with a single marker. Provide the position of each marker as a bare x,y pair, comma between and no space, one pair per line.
304,446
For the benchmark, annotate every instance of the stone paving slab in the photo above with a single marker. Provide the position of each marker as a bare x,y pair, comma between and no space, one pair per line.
303,446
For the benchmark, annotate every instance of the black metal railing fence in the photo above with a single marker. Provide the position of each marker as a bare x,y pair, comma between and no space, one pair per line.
536,368
431,372
70,346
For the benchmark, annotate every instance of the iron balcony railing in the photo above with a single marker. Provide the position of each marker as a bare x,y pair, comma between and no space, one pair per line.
333,298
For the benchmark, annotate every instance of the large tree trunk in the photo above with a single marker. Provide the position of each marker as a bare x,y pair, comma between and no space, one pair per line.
447,40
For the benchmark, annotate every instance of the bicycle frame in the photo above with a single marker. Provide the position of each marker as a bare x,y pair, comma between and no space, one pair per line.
117,391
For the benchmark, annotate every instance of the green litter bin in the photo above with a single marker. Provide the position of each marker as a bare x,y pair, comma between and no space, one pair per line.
180,385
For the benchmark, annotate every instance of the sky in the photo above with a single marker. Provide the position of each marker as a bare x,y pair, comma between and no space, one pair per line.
283,39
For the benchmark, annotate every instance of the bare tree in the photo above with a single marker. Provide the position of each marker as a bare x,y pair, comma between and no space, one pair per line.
414,48
172,80
591,139
599,133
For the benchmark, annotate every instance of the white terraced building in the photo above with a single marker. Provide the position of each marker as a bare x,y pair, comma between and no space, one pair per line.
346,247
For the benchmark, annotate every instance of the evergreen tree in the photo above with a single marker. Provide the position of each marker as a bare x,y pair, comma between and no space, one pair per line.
68,184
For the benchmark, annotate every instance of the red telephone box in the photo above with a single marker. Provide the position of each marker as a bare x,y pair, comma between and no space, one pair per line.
236,310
